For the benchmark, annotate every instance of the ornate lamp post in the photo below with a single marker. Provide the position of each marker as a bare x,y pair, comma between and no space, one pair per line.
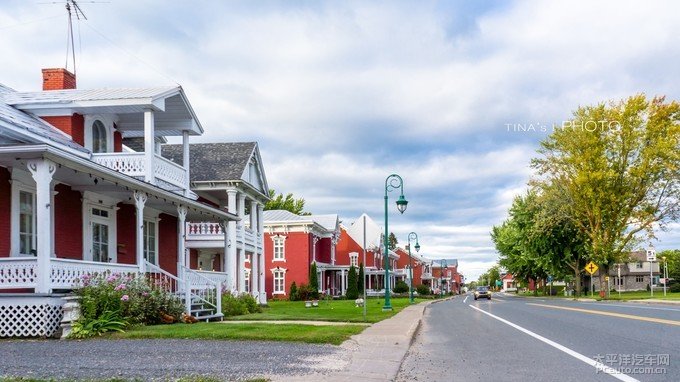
411,236
392,182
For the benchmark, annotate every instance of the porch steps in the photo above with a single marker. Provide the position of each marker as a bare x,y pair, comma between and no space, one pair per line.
202,313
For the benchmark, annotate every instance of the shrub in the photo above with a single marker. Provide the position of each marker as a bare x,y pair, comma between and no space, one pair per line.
108,322
423,290
233,305
306,292
400,287
314,281
675,287
352,292
108,299
293,292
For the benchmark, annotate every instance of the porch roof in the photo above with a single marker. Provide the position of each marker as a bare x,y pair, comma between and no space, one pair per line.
84,175
173,114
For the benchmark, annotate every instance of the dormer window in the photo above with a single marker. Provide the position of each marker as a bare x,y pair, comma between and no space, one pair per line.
99,133
99,138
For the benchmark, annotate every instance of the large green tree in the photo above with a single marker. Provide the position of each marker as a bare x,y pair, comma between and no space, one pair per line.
288,203
616,167
392,241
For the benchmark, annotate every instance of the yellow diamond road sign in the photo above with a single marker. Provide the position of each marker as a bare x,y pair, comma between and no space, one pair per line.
591,268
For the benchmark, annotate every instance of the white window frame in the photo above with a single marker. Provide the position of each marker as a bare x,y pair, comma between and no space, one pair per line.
102,202
247,279
155,222
23,181
17,189
279,239
282,272
354,259
108,122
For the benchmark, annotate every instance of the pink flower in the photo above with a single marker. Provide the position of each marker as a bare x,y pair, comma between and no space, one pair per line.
120,287
112,278
124,298
145,294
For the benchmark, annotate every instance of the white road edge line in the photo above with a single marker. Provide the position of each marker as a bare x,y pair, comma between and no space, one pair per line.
465,299
599,366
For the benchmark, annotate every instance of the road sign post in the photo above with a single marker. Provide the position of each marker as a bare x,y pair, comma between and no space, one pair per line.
591,268
651,258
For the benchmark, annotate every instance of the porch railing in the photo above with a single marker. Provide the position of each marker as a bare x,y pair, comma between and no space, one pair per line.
214,231
18,272
67,273
201,289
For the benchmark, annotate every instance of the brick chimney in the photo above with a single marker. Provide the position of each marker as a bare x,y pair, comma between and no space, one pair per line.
58,79
71,124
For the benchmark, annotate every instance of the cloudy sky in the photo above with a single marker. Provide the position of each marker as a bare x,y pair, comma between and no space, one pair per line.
341,94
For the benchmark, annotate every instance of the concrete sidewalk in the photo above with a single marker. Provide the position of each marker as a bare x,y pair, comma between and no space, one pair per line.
380,349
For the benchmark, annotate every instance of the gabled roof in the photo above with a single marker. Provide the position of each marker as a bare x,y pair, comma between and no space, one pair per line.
173,113
373,232
223,162
329,222
26,127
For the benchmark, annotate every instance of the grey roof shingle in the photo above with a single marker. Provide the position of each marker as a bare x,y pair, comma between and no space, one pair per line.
283,216
213,161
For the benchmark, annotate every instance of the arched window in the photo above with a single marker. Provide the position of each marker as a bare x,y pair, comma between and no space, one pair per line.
99,144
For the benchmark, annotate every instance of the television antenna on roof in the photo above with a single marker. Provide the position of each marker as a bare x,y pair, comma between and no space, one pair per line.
73,9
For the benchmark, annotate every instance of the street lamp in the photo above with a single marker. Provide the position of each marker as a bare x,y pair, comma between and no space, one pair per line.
411,236
442,265
392,182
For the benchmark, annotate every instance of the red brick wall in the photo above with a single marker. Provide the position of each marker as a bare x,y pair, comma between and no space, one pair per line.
167,243
323,250
58,79
117,141
193,258
346,245
68,223
73,125
5,215
125,227
298,256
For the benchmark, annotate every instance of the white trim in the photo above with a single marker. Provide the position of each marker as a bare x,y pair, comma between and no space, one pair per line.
354,258
282,240
156,222
17,187
108,122
274,271
103,202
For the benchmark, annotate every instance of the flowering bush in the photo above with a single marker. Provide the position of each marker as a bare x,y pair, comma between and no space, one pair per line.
129,297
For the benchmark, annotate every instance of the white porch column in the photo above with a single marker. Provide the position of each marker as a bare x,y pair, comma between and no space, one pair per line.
185,160
343,284
260,253
253,216
255,275
181,236
241,264
42,171
230,243
149,146
140,201
241,270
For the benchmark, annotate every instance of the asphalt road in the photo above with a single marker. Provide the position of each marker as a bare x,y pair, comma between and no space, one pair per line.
523,339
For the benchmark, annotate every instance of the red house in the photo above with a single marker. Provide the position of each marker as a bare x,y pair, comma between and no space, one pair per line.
75,199
291,244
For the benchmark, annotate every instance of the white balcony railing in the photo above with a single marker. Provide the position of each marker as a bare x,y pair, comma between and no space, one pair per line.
18,272
134,164
209,231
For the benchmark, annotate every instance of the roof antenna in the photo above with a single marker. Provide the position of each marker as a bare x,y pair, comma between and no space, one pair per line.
72,8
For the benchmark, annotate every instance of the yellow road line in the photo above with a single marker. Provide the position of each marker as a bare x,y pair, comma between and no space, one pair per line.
612,314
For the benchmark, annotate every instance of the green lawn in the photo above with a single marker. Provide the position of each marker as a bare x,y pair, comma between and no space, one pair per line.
333,310
643,295
263,332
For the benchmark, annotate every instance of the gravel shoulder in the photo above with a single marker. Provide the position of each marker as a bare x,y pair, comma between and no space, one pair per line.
165,359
